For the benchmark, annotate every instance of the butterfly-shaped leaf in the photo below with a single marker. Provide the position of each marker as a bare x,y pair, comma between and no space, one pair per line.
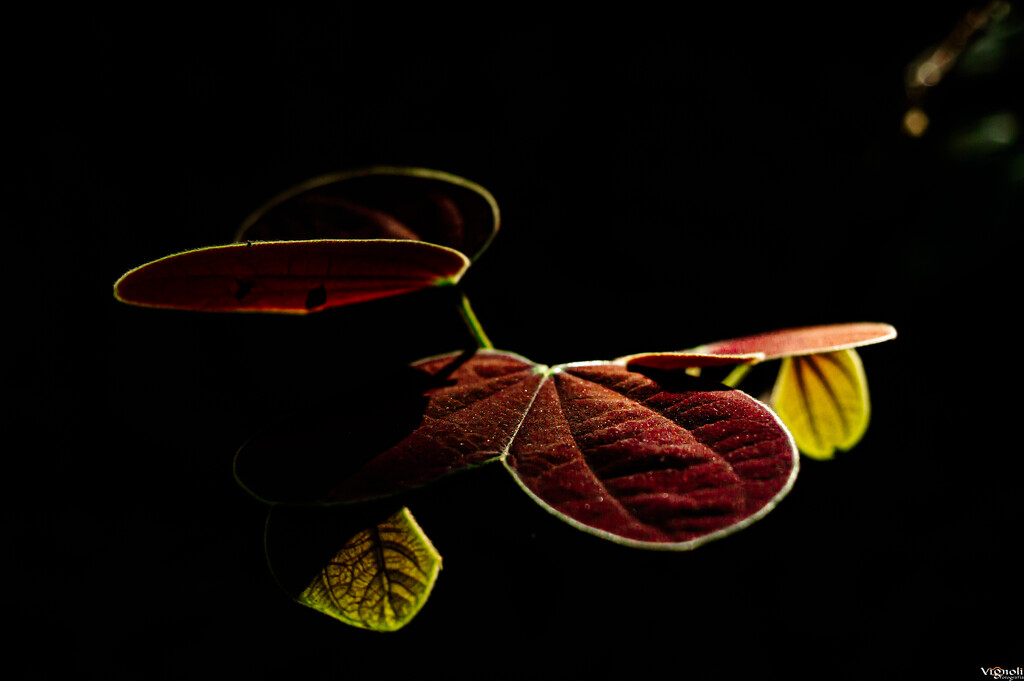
381,203
380,578
650,459
289,276
821,391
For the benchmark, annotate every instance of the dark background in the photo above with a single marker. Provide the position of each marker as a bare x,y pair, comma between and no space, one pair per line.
664,181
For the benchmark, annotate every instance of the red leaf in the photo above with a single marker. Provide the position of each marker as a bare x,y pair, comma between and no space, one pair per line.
381,203
687,360
468,420
403,431
661,460
808,340
289,276
667,461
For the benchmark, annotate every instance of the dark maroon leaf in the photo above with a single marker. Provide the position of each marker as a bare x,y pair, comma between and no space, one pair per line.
660,460
467,421
381,203
441,415
666,460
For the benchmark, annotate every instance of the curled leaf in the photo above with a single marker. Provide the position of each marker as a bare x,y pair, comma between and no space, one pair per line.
381,577
381,203
289,276
823,398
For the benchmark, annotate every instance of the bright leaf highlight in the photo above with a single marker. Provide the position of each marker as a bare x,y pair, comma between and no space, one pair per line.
380,578
824,400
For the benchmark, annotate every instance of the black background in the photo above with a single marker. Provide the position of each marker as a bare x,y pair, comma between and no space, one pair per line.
664,181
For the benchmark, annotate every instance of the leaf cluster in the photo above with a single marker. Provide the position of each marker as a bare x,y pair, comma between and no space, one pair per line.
639,450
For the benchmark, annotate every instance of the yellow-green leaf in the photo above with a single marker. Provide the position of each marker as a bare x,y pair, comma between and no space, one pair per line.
823,399
380,579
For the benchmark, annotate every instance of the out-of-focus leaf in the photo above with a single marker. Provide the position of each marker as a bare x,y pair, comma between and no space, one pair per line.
289,276
381,203
823,398
380,578
654,459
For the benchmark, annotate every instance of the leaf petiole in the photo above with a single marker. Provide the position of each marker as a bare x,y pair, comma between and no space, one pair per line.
737,375
473,324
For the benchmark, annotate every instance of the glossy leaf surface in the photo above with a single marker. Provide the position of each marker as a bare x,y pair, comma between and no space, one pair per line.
656,459
824,400
381,203
380,578
289,276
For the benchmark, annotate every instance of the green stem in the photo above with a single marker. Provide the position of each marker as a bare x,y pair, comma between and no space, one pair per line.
736,375
473,324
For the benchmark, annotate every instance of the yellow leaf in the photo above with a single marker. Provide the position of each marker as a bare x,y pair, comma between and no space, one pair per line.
823,400
380,579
